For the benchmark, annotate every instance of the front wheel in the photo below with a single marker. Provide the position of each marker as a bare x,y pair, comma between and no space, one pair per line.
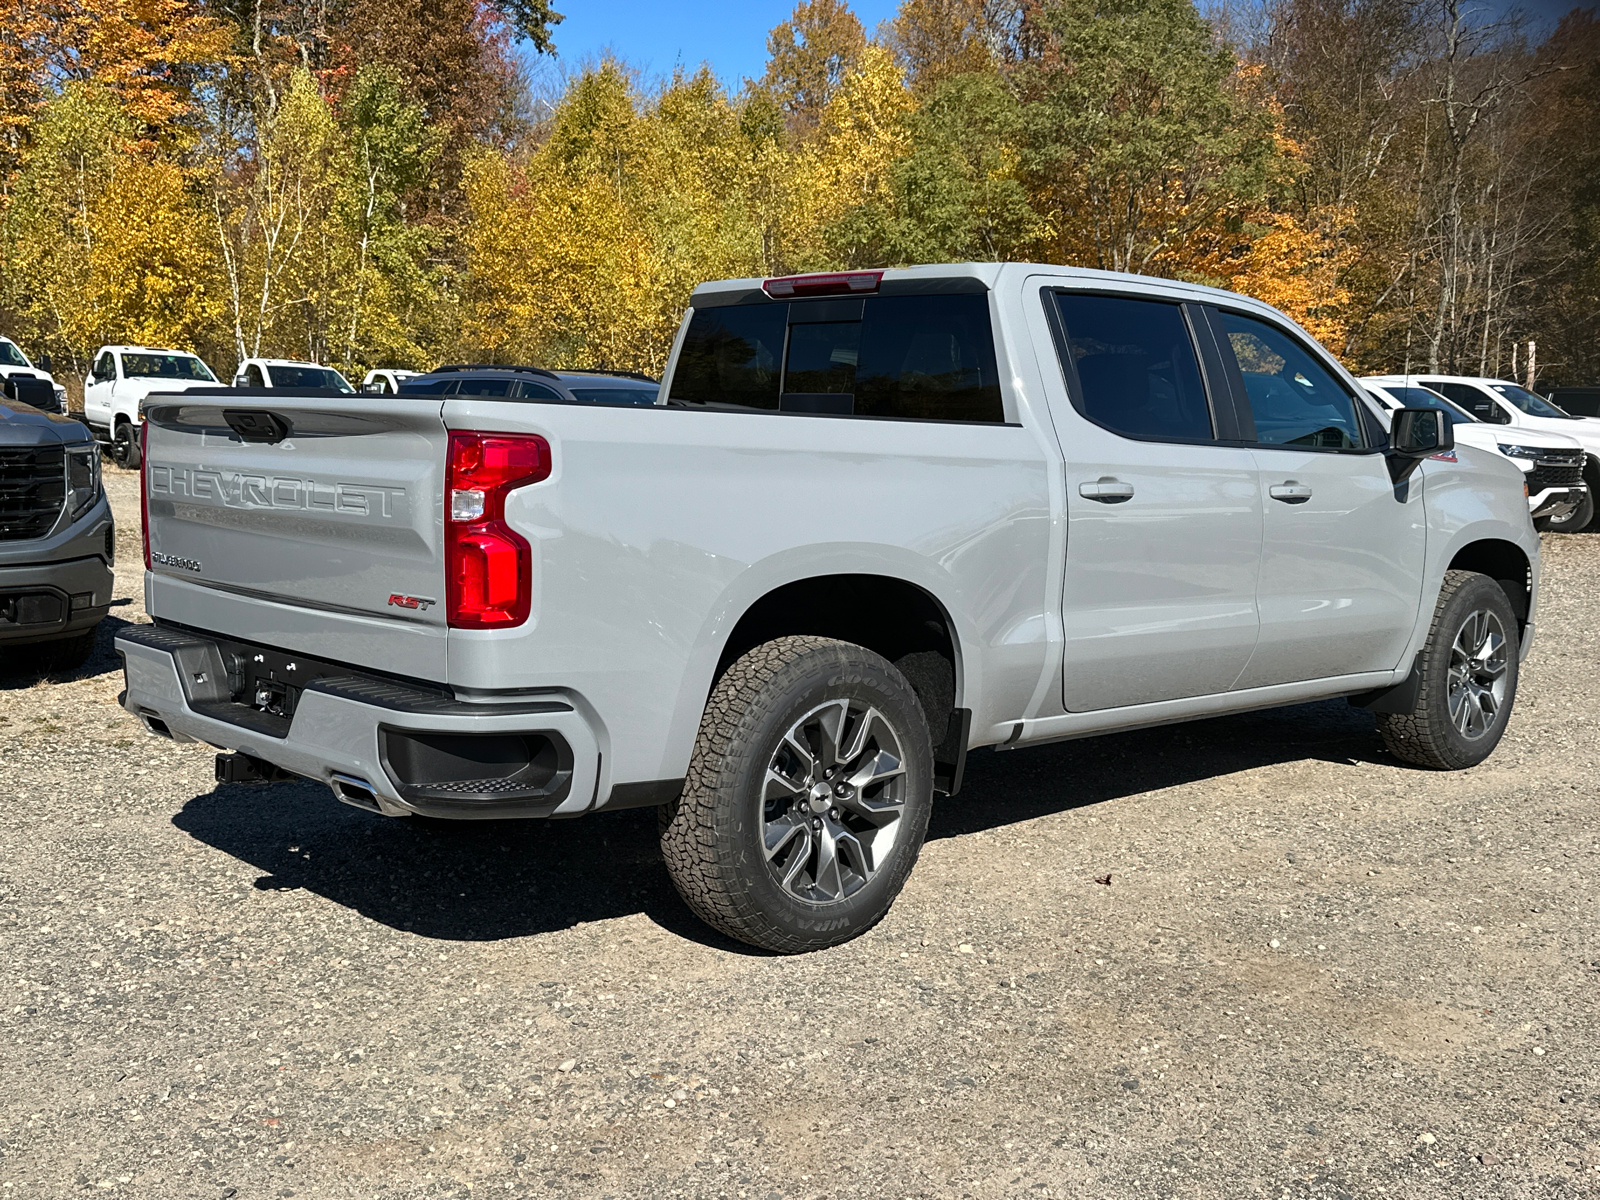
125,447
1572,522
807,797
1469,679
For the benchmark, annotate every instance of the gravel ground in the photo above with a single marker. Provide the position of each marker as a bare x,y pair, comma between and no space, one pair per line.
1314,972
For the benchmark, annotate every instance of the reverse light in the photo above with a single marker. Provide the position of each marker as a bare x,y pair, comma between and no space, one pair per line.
838,283
144,489
488,566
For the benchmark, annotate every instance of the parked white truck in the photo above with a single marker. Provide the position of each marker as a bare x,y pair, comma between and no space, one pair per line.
873,520
23,380
119,380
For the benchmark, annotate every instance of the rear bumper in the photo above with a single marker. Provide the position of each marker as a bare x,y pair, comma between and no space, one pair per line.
379,744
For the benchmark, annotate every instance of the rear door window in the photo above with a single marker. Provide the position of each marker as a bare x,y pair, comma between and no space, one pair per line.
732,357
528,390
1136,367
1294,400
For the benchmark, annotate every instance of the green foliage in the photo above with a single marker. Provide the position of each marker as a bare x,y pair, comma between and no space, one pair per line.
958,196
1132,134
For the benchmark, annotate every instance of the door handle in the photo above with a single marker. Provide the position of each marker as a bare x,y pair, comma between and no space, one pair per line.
1107,490
1290,492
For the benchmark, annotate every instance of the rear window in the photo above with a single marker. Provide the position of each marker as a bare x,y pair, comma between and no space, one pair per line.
917,357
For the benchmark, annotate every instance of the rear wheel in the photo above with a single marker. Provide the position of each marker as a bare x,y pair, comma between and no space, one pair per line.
807,798
1469,679
125,446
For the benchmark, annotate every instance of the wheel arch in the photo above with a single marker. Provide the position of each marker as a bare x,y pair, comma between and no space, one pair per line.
1508,565
891,616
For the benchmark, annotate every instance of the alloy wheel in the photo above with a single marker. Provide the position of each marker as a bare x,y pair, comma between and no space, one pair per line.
1478,674
832,801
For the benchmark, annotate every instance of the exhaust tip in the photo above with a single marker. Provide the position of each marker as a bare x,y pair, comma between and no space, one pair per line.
356,792
154,724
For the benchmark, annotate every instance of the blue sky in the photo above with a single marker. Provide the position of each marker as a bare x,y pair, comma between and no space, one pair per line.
653,35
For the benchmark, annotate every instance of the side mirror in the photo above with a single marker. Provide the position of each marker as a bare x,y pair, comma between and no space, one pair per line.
1416,434
46,365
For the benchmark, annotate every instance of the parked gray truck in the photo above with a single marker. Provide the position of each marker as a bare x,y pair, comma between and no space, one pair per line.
57,541
874,520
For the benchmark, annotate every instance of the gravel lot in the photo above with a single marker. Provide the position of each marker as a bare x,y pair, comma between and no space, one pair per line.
1314,972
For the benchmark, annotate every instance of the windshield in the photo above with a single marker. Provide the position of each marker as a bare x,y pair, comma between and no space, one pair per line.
1421,397
10,356
308,377
1534,406
165,366
620,393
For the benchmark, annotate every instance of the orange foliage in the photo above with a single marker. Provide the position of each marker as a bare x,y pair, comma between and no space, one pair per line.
145,51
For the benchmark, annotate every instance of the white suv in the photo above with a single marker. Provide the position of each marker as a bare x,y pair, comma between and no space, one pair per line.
1501,402
1552,463
122,376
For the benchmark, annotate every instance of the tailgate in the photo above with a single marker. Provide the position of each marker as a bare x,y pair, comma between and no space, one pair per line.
310,523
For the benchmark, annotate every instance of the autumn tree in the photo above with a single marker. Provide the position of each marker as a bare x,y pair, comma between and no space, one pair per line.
809,56
1135,145
934,40
106,239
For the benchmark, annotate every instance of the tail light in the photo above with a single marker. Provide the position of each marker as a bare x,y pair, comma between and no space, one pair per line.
488,567
144,489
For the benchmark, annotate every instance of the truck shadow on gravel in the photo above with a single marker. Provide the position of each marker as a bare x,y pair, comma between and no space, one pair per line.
484,881
27,666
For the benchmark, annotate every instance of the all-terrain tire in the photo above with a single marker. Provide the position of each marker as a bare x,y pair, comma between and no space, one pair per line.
1429,735
713,836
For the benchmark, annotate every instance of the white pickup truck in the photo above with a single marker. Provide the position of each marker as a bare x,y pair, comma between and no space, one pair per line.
119,380
874,520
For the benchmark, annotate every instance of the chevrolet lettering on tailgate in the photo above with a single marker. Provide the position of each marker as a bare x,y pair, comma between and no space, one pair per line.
234,489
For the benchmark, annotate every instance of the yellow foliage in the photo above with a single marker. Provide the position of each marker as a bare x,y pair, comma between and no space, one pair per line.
150,258
585,256
863,130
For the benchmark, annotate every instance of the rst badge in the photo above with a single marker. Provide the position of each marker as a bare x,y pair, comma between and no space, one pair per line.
421,603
